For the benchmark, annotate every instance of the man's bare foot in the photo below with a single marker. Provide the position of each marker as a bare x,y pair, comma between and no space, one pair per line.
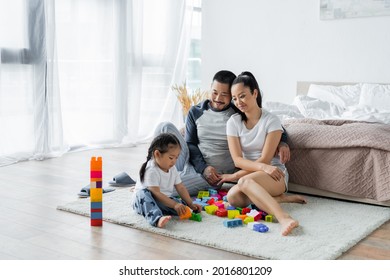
288,224
290,199
163,221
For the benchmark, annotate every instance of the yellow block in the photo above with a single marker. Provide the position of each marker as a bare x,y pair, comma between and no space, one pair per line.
96,194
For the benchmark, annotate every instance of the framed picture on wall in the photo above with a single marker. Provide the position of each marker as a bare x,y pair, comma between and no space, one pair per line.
341,9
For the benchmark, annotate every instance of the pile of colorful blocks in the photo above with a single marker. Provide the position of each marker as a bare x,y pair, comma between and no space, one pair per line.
215,203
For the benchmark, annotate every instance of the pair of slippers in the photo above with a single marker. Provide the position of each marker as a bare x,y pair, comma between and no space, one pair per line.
120,180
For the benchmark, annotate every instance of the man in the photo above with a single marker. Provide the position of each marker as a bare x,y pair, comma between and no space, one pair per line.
205,160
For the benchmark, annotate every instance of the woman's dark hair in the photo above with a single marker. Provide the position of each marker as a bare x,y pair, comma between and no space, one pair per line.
163,142
248,80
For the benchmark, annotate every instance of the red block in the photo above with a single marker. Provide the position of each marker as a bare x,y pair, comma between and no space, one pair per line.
96,174
96,222
221,212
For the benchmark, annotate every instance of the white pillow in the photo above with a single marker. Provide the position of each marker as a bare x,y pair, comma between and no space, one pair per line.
343,96
317,109
375,96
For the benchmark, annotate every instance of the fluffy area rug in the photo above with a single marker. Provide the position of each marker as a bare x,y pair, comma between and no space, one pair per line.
327,227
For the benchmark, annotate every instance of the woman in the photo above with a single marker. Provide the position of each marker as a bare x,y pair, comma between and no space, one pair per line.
253,136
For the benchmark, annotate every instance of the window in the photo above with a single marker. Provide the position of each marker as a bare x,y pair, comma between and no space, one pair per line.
194,59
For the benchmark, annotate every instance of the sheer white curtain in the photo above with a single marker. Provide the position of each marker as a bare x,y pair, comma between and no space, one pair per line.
91,73
30,115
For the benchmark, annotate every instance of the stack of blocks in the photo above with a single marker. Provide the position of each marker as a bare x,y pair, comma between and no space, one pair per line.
96,192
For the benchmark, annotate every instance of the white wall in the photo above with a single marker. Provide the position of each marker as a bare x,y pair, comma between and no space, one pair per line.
282,42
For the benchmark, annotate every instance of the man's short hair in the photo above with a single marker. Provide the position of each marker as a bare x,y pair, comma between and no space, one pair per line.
224,77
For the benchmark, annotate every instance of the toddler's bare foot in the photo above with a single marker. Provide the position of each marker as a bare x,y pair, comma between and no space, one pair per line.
163,221
290,198
288,224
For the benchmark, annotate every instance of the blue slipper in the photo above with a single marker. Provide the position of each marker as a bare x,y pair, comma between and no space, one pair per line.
84,192
121,180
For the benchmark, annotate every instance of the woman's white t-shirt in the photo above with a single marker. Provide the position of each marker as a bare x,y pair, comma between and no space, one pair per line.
155,176
252,140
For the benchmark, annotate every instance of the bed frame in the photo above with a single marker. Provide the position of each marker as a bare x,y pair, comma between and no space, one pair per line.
302,89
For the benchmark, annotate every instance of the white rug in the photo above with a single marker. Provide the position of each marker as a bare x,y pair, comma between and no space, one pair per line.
327,227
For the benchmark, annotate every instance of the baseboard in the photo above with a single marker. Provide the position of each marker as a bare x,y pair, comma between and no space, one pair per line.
296,188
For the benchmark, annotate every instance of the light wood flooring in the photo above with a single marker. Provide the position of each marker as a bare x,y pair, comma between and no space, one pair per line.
32,228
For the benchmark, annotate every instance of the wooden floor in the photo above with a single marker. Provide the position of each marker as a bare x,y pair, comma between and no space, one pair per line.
32,228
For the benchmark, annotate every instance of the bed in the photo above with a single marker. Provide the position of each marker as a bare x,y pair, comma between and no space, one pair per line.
339,135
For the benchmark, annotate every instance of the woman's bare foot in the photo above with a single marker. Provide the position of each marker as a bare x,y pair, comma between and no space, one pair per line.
290,199
163,221
288,224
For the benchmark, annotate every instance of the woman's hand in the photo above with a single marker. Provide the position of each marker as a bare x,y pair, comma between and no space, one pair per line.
274,172
227,178
180,209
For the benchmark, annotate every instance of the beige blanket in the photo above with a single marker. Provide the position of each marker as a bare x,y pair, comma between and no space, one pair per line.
346,157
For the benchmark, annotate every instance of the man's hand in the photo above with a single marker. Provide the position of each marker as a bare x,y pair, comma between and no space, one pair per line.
211,175
283,151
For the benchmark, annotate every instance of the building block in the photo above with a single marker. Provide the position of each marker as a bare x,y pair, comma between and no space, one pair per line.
242,217
96,174
221,212
196,217
96,163
260,227
212,191
233,213
96,205
251,224
220,205
202,194
211,201
232,223
271,219
222,193
231,207
255,214
245,210
248,219
211,209
96,215
187,214
96,195
96,222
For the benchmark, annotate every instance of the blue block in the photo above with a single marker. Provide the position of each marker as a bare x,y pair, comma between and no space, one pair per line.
232,223
212,191
96,205
231,208
260,227
96,215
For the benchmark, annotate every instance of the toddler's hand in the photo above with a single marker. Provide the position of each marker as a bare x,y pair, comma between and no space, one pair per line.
196,208
180,209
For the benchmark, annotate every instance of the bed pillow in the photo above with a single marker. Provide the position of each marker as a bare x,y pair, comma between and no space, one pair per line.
375,96
342,96
317,109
